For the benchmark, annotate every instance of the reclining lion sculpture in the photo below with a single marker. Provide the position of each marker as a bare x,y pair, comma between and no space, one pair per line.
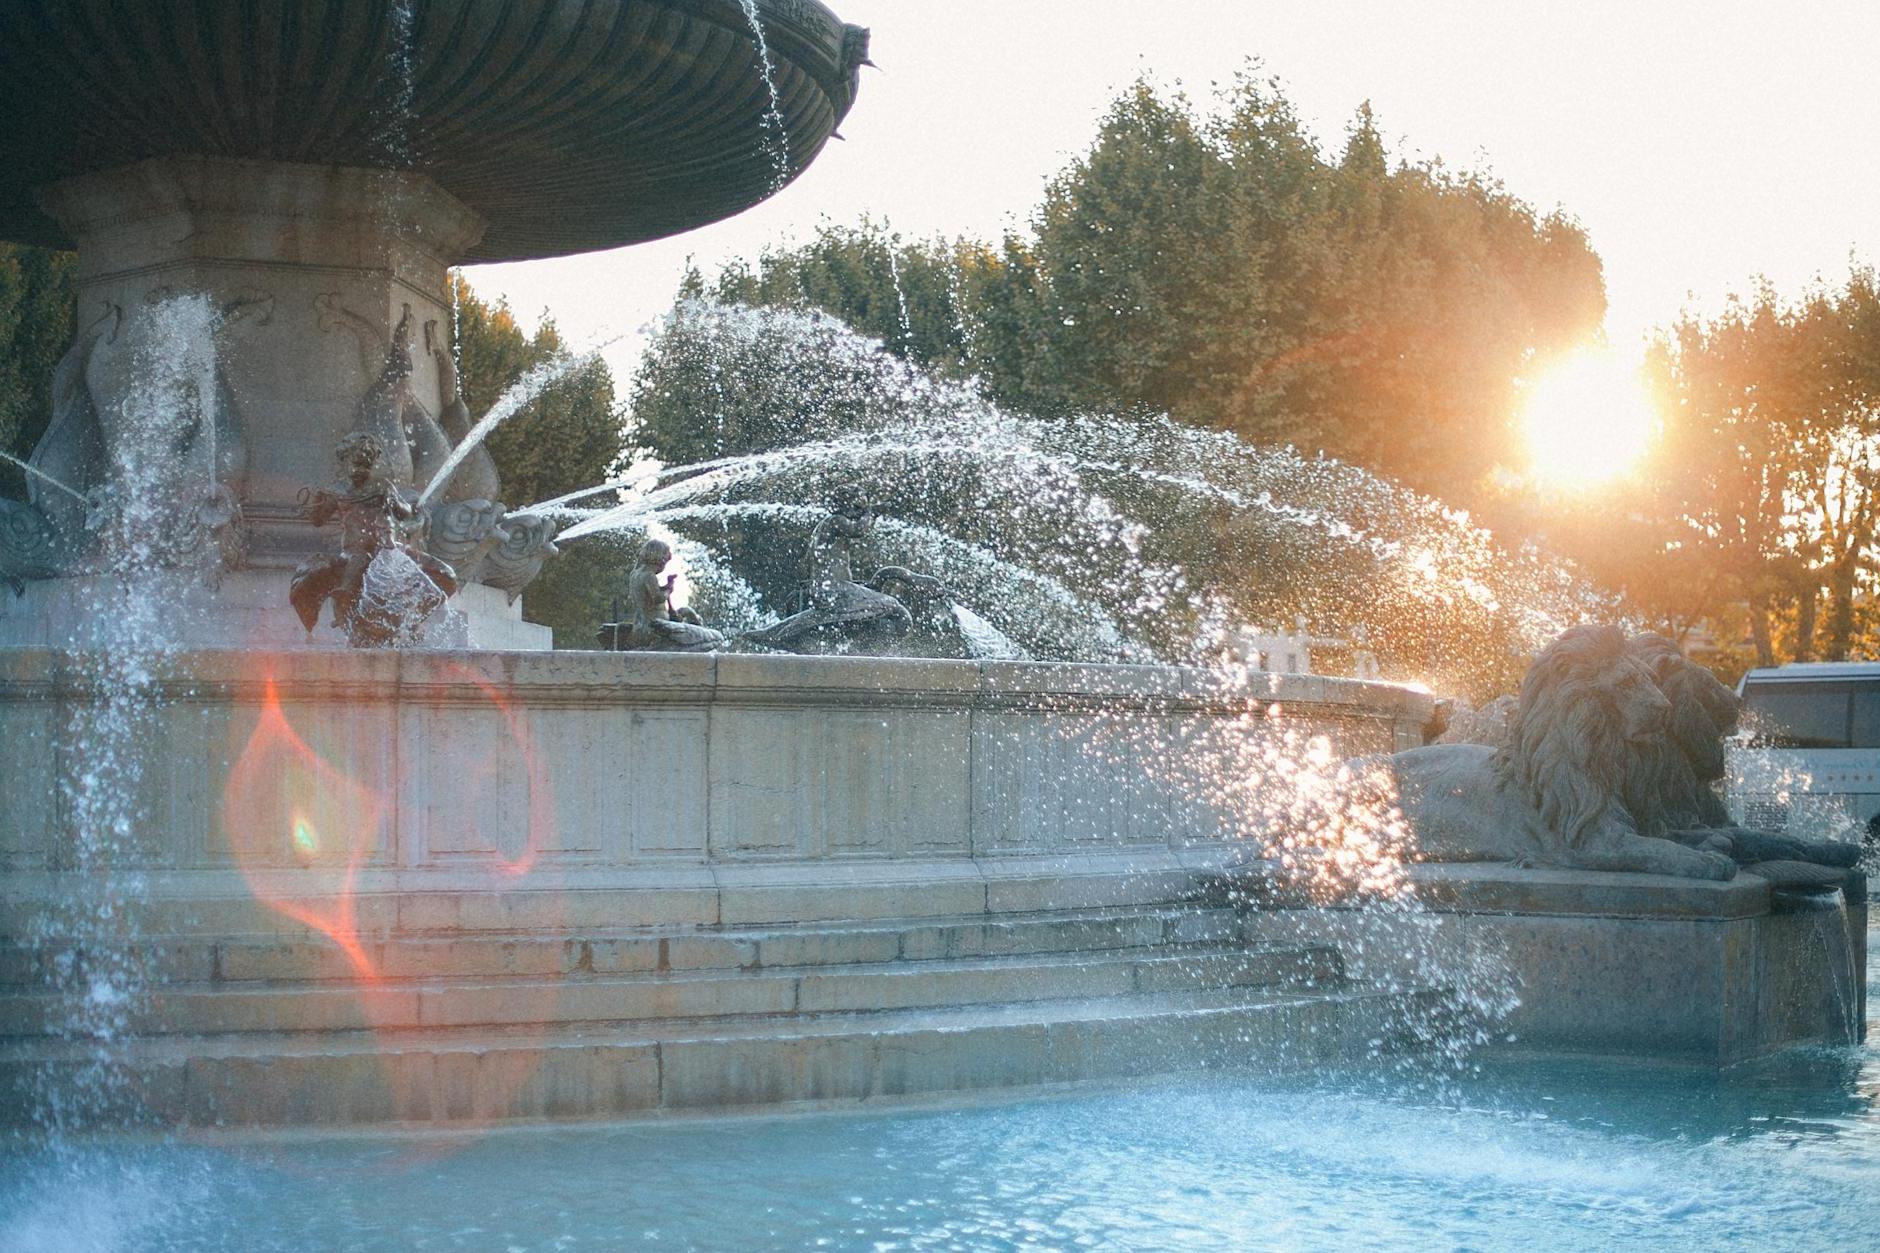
1552,793
1669,791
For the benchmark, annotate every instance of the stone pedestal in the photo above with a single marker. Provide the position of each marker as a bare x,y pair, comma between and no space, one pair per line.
312,268
292,304
1624,964
455,888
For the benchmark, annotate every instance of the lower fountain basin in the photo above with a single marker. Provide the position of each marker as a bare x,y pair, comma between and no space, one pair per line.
456,889
1571,1154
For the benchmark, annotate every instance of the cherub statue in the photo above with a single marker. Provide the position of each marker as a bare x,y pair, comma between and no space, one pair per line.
652,621
374,515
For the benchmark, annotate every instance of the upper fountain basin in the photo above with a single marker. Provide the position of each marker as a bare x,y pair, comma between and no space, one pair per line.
568,125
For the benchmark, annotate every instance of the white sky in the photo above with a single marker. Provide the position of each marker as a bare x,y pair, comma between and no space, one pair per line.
1699,143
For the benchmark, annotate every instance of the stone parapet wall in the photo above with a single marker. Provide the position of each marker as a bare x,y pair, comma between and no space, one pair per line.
397,767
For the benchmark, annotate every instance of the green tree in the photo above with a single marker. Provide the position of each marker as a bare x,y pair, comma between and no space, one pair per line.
1223,270
1227,271
1761,505
1841,331
568,437
1231,274
37,323
905,294
1133,244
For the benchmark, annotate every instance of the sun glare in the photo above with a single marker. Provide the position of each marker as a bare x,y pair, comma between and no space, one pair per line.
1588,420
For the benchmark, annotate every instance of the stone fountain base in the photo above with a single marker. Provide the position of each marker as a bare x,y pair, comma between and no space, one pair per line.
466,887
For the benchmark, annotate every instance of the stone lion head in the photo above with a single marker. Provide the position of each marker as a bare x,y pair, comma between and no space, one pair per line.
1667,779
1585,705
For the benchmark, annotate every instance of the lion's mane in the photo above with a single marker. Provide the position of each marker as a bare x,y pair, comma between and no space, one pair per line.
1551,793
1566,741
1668,777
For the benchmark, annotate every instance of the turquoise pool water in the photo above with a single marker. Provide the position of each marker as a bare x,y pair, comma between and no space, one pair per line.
1782,1154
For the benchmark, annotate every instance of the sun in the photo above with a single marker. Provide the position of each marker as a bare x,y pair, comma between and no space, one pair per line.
1588,420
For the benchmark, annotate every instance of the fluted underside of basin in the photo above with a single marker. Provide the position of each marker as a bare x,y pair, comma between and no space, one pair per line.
569,125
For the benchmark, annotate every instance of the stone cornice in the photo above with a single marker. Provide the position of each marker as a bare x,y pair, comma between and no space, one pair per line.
628,680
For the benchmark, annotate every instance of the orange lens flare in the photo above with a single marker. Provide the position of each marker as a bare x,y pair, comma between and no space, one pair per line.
280,797
313,818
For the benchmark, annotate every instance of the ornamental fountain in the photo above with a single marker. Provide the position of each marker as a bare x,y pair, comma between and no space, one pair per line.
254,882
314,170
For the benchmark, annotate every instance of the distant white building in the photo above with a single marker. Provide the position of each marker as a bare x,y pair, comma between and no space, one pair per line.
1291,652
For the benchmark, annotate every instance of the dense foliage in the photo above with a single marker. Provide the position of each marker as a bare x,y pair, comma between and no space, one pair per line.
1755,519
1222,270
37,317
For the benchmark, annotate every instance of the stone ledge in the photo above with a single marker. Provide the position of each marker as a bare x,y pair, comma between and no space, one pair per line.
384,900
1487,888
246,615
592,678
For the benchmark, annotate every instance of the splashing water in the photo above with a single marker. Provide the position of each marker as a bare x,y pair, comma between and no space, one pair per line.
456,281
956,290
985,641
400,113
631,481
1131,539
900,297
1172,542
1334,853
775,139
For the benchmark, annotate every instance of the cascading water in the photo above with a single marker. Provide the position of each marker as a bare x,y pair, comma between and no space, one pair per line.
92,939
1841,944
900,298
775,140
531,385
398,115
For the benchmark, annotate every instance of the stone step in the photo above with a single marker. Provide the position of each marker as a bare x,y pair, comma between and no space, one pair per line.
481,1076
242,958
583,997
388,901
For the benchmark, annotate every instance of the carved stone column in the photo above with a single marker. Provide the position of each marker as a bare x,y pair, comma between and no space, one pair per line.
317,298
312,267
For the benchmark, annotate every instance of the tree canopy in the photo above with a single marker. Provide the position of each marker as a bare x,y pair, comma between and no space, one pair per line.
1758,511
1222,268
